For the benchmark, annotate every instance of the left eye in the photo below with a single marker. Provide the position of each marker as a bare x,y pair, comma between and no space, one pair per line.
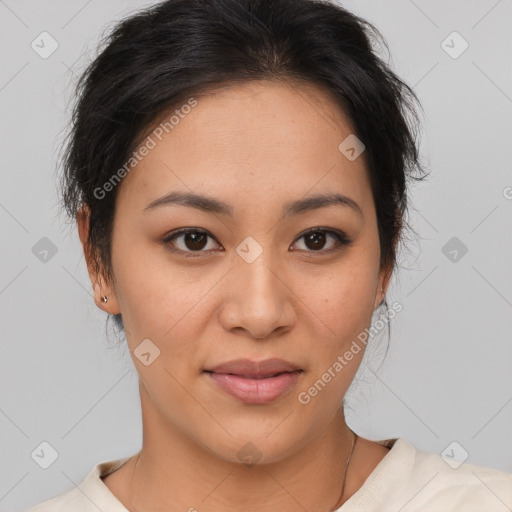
195,240
316,238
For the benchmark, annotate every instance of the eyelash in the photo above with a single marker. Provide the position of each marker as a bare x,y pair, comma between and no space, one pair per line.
341,240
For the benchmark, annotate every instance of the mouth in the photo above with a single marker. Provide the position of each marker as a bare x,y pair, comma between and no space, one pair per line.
255,389
254,369
254,376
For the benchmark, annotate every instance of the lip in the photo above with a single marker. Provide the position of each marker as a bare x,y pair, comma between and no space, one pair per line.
249,368
254,382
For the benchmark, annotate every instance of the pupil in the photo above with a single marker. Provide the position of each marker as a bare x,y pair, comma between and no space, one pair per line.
317,238
196,239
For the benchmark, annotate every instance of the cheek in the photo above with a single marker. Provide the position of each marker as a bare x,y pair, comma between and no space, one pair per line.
339,305
153,294
342,298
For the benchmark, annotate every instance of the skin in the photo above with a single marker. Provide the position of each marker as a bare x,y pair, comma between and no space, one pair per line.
254,146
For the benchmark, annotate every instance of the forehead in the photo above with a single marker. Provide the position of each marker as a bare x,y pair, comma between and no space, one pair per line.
259,138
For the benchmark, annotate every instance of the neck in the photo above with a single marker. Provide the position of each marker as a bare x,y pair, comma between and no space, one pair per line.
172,472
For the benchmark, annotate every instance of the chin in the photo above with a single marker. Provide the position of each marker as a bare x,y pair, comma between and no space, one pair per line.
250,446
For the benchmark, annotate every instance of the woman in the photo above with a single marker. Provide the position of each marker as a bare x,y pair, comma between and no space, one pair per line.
238,172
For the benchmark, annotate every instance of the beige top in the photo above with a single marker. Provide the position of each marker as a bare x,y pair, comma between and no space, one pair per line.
405,479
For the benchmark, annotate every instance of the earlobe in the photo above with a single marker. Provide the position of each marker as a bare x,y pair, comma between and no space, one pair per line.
105,299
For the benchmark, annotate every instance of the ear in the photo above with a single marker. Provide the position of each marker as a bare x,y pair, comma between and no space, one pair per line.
383,283
102,288
386,272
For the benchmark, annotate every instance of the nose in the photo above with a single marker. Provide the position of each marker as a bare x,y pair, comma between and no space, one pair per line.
257,299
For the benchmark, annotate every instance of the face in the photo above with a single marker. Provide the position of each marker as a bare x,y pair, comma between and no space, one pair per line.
247,281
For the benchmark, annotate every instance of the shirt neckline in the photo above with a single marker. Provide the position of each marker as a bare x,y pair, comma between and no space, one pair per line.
385,477
366,498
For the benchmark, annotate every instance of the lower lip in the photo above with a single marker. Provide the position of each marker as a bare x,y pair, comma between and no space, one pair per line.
256,391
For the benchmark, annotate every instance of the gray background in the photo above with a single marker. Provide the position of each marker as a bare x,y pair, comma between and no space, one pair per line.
447,376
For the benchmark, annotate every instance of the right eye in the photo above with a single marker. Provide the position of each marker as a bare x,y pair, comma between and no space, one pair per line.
193,241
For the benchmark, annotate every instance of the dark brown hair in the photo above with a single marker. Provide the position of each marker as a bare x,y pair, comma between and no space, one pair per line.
157,58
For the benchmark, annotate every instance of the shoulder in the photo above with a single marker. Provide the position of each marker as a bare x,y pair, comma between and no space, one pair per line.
68,501
462,483
92,494
428,481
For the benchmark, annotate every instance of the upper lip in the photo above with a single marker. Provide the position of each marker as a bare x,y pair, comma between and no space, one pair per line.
249,368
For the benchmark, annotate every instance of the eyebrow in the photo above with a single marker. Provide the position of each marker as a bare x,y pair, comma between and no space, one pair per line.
212,205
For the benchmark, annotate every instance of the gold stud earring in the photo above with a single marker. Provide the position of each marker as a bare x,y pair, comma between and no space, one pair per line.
105,299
